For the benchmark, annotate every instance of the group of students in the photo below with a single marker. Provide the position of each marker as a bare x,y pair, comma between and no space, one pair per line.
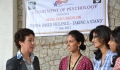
106,56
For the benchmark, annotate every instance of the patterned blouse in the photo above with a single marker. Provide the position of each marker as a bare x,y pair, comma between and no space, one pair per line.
83,64
107,62
117,64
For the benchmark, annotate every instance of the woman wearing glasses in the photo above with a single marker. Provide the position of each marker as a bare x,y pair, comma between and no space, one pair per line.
100,37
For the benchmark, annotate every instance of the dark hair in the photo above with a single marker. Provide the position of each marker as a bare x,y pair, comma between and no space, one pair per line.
91,35
103,32
116,36
79,37
20,36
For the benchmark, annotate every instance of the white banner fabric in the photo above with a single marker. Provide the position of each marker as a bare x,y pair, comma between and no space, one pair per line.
58,17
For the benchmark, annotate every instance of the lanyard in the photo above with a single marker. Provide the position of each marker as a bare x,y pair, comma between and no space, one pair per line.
75,62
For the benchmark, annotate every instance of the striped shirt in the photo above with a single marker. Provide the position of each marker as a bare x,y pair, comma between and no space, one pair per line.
28,65
107,62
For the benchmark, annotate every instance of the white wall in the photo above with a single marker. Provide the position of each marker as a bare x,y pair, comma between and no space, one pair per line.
8,26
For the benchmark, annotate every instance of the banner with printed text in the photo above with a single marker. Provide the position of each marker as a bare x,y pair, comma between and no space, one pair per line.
58,17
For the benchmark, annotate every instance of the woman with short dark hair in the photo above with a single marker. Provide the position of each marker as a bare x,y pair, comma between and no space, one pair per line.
25,59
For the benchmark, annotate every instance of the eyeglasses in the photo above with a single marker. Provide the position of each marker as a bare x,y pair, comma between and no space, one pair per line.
112,39
95,36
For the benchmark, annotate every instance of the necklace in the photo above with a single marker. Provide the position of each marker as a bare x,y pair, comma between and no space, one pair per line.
75,62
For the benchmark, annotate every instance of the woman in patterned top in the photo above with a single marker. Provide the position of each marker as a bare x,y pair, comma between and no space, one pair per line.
100,37
76,61
115,47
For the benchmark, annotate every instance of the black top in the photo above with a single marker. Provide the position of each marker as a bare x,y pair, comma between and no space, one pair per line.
19,64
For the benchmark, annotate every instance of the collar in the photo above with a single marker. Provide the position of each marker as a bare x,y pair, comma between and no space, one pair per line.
19,55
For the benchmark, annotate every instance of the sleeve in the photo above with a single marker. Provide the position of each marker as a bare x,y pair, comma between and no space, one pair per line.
63,63
118,69
60,65
36,63
89,65
10,65
117,64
